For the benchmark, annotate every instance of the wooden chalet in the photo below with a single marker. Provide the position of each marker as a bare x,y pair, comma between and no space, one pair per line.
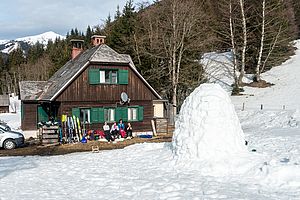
4,103
90,86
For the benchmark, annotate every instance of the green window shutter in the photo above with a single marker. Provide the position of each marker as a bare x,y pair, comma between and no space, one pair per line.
141,113
122,113
94,76
125,114
76,112
118,114
95,115
123,77
101,115
42,115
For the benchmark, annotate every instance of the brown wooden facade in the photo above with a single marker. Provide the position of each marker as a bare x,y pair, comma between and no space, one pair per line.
29,115
81,94
4,109
80,90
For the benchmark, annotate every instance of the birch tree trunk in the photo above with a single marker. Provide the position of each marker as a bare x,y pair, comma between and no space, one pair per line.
242,70
258,66
272,48
235,67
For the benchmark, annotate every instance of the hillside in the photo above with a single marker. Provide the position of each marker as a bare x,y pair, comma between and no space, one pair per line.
284,94
7,46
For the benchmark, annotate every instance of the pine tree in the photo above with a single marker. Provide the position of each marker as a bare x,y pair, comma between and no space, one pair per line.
118,13
88,35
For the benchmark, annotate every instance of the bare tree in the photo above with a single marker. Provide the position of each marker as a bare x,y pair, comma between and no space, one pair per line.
244,46
258,66
234,51
173,28
275,29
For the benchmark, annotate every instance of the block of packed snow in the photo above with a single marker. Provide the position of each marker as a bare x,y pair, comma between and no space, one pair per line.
207,127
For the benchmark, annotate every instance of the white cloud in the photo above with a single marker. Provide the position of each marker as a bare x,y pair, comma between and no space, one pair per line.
28,17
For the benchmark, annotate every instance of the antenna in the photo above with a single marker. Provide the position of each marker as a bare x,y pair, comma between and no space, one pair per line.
124,98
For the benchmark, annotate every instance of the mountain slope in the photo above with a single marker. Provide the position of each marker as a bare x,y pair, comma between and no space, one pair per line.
284,94
42,38
7,46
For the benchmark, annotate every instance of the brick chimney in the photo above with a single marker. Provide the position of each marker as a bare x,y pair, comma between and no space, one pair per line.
77,47
98,39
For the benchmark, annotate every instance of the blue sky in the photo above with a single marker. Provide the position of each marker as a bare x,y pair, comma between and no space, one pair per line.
20,18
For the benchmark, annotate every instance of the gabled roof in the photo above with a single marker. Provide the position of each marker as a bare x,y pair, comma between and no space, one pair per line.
66,74
31,90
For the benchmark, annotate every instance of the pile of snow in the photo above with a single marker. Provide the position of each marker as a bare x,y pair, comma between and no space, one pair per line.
41,38
14,103
208,131
13,118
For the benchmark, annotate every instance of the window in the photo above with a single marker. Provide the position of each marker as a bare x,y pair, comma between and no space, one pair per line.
102,76
42,114
114,75
109,114
132,114
108,76
85,115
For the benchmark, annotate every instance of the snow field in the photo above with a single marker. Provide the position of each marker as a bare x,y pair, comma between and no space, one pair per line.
153,171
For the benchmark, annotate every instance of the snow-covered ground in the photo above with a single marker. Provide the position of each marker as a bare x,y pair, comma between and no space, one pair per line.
285,92
271,170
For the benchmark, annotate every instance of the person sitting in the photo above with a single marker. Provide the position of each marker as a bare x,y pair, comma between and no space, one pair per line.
129,130
107,133
114,130
121,127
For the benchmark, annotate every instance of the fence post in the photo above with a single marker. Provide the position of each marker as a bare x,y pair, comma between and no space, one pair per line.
243,106
283,107
261,106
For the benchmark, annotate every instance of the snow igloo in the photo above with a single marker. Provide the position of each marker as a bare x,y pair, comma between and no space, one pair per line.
207,127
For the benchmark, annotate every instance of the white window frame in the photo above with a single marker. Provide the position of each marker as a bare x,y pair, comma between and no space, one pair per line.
111,114
133,113
88,112
111,76
109,72
102,76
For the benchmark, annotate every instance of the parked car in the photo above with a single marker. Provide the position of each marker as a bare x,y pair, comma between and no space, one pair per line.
10,139
5,127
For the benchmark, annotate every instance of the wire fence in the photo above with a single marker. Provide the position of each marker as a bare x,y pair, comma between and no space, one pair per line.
244,106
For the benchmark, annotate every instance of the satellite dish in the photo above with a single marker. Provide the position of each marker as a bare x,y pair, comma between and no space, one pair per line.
124,97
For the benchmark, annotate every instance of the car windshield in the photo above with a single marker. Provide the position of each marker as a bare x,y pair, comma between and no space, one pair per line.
5,127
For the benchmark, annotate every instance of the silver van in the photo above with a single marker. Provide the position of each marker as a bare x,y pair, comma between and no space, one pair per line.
10,139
